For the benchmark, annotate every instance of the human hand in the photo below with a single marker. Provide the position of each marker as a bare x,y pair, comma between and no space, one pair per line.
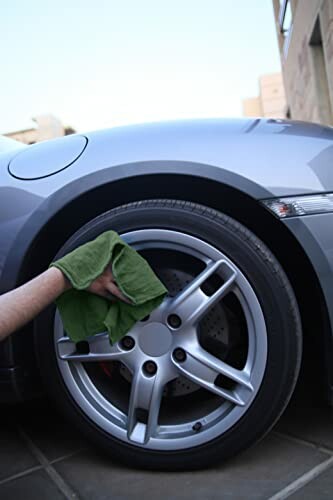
106,286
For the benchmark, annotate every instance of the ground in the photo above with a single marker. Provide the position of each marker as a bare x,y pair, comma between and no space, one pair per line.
41,456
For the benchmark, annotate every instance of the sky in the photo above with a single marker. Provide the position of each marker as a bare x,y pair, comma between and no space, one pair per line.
96,64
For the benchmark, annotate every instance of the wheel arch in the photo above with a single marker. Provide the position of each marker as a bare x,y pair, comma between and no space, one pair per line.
222,197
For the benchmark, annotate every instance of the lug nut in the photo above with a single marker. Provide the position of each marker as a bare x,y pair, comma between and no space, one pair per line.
197,426
179,354
127,343
150,368
174,320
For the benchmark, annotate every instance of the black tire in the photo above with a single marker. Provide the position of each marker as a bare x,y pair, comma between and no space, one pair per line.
278,305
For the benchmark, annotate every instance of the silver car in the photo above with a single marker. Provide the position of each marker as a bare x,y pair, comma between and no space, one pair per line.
236,218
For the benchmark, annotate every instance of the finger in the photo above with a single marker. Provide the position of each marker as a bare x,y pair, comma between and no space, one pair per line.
110,276
112,288
107,295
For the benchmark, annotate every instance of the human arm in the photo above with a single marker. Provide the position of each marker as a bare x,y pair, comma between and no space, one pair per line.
21,305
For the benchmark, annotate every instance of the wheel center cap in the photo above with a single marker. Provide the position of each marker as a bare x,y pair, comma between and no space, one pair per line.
155,339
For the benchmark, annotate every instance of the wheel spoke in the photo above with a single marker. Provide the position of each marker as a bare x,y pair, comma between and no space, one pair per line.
203,368
191,304
95,348
144,407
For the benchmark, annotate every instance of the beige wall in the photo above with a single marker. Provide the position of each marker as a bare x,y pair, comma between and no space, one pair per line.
271,101
47,127
252,107
307,65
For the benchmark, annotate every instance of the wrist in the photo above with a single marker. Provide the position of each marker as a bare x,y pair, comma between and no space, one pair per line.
63,281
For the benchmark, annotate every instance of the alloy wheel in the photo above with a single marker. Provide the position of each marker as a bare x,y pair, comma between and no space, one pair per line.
170,348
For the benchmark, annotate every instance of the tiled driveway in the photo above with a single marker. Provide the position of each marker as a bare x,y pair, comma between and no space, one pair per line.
42,458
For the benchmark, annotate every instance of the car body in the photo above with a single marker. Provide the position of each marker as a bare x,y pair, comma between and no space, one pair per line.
238,167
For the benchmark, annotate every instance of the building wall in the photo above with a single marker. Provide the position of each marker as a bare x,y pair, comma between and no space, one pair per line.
272,95
307,59
252,107
271,101
46,127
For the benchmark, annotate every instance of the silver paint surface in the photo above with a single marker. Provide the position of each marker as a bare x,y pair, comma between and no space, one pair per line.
260,157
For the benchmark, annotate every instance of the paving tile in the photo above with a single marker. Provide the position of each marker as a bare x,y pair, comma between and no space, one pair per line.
256,474
314,424
14,455
48,429
36,485
319,488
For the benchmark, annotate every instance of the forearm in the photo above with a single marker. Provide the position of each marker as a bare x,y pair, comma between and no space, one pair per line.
21,305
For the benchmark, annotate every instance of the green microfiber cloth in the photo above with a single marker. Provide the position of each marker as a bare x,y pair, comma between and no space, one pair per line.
83,313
